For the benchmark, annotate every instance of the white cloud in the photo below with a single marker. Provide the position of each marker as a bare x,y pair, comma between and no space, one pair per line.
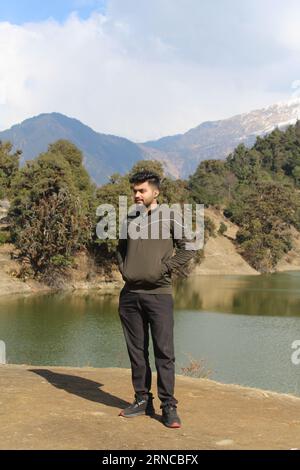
149,69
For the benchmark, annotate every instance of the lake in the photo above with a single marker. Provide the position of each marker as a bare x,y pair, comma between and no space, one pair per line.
241,329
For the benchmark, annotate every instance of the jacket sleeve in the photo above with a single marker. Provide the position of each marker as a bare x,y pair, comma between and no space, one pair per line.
121,249
121,253
182,255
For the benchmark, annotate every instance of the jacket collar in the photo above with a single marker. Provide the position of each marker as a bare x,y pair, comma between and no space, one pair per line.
145,214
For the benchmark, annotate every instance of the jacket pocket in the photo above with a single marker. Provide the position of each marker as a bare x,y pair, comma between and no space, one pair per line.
140,274
155,274
158,274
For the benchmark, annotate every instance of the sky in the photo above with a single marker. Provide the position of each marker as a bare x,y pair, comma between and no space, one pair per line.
143,69
22,11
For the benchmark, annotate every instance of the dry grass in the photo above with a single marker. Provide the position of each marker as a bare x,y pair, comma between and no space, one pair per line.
196,368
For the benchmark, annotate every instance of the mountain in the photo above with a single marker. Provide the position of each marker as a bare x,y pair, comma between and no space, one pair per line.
180,154
103,154
216,139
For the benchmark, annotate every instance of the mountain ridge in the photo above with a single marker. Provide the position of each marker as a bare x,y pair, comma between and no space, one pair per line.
216,139
105,154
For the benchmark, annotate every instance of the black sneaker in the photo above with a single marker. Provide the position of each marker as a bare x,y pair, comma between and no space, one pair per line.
142,405
170,417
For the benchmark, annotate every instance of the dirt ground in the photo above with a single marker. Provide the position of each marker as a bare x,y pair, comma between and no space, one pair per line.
77,408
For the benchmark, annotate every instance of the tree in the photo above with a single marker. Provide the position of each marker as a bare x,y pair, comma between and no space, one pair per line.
211,183
148,165
9,164
264,220
50,213
244,163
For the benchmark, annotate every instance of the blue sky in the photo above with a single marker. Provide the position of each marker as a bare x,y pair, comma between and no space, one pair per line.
21,11
144,69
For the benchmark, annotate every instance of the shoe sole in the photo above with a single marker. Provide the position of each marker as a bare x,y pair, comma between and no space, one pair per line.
173,425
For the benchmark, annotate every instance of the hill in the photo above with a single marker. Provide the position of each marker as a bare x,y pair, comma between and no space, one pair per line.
103,154
216,139
180,154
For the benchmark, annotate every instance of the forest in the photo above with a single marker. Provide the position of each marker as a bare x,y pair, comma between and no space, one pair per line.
53,201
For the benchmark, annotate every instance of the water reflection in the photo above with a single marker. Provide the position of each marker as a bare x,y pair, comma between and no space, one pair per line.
269,294
250,345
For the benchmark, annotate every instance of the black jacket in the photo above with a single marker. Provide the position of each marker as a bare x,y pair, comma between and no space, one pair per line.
146,265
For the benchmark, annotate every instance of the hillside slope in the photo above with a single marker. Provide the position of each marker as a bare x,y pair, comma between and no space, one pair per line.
180,154
103,154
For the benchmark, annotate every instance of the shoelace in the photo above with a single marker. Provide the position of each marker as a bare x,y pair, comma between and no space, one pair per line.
169,407
141,400
138,401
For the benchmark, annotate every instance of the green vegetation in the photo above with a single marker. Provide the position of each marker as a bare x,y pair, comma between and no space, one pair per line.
4,237
212,183
9,164
264,218
222,228
53,202
258,189
52,211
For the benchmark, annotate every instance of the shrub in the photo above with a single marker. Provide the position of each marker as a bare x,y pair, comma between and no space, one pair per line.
4,237
222,228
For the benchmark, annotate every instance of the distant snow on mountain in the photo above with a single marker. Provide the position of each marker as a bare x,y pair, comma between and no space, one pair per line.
180,154
216,139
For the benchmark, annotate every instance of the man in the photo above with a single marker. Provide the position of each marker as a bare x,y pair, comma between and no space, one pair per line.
146,265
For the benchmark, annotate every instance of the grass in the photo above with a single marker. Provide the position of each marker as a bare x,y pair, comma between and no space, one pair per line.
196,368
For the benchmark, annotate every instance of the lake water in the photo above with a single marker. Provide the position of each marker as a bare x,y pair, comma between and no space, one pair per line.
240,327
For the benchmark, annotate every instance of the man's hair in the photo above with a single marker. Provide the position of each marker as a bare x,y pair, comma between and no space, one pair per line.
146,175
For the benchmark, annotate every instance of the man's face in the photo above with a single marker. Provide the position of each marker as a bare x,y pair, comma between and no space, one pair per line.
144,193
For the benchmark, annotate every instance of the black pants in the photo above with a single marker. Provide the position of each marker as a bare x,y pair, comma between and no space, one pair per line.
137,311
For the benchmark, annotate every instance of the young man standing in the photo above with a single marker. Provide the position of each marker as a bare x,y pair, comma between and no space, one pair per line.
146,265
